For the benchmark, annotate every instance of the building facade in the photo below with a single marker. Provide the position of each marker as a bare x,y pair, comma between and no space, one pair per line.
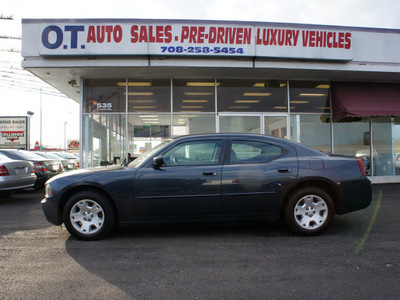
139,82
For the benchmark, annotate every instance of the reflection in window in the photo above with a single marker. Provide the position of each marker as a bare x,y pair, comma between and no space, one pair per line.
309,96
275,126
103,96
149,95
242,124
312,130
194,95
352,137
253,152
193,124
251,95
194,153
383,148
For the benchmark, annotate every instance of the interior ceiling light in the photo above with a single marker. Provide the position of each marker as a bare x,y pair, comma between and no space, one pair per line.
134,83
143,107
325,107
191,111
311,95
195,101
299,101
141,101
259,84
192,106
257,94
247,101
202,83
282,107
238,107
282,85
322,86
140,93
198,94
148,116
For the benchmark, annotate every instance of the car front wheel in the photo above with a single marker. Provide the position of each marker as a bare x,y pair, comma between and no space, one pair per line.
88,215
309,211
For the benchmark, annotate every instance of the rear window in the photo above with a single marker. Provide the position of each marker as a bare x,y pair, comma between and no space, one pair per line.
254,152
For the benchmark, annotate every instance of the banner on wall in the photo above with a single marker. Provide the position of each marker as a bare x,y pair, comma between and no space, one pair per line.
13,132
130,37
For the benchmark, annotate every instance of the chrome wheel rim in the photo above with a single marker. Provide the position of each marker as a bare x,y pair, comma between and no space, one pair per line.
87,216
311,212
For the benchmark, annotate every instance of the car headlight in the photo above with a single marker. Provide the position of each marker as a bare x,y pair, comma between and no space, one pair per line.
48,191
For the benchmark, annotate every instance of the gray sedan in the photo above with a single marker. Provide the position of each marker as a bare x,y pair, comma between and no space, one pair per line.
15,175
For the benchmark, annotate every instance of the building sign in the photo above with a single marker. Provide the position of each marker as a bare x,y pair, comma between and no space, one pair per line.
13,132
73,145
133,37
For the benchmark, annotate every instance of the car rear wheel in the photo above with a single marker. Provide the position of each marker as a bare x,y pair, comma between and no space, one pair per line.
88,215
309,211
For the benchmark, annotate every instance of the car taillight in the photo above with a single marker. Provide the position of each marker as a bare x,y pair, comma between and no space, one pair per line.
4,171
362,169
40,167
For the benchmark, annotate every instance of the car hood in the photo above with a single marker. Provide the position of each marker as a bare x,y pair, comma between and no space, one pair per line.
86,172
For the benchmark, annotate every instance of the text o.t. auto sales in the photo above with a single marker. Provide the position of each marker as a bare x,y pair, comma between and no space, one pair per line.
179,39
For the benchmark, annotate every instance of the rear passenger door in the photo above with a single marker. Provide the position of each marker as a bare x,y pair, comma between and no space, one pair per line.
254,175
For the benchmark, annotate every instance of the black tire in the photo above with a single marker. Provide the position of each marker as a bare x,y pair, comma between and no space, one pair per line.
88,215
309,211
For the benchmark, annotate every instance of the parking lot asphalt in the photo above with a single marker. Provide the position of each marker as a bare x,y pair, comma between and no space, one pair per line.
357,258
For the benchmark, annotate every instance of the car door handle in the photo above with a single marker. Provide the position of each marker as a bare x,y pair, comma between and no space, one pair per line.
285,170
209,173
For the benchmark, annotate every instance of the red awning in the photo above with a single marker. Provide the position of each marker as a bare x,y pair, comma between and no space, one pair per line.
359,99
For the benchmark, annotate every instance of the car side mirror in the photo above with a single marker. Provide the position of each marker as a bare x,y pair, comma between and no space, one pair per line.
158,161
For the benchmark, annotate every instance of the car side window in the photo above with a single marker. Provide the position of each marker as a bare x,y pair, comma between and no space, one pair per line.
194,153
254,152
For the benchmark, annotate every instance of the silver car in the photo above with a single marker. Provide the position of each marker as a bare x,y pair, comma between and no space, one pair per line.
15,175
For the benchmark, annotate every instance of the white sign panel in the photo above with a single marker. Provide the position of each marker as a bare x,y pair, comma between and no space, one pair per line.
13,131
91,38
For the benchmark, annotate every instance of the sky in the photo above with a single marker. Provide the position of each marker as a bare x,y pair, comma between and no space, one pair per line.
58,110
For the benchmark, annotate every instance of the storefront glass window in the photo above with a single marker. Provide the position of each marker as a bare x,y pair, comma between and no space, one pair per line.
309,97
396,140
149,95
247,95
275,126
147,131
193,124
104,96
312,130
352,137
245,124
384,149
104,139
194,95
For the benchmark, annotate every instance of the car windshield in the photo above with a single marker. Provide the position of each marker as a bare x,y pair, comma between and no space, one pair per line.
147,154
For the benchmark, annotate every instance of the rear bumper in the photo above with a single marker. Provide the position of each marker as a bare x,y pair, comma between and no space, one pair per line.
354,195
17,183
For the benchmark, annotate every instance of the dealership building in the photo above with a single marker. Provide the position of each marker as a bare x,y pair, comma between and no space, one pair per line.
139,82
